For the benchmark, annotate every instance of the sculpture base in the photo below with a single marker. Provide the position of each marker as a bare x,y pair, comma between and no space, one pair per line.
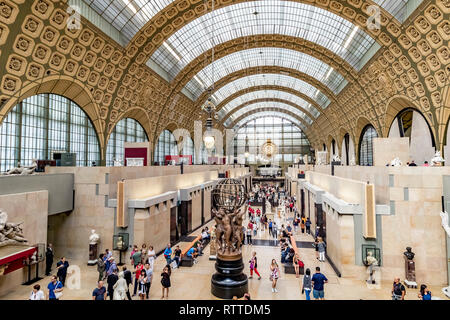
92,262
229,281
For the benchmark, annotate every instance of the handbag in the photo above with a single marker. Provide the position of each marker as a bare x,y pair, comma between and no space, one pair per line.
58,294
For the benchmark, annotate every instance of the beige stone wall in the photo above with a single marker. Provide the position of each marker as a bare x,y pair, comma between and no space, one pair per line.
416,223
386,149
340,241
207,204
152,227
196,209
69,232
32,209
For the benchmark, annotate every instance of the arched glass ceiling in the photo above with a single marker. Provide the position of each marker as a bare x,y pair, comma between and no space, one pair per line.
266,94
274,17
279,57
263,105
127,16
273,114
271,80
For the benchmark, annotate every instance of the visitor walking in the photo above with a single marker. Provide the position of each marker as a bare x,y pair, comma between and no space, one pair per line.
101,267
177,256
99,293
270,227
321,246
307,285
308,226
148,279
129,278
137,271
142,286
249,234
112,266
424,294
165,281
37,293
151,256
55,288
49,259
398,290
254,266
168,254
303,224
111,281
62,266
274,274
318,280
137,257
144,253
274,230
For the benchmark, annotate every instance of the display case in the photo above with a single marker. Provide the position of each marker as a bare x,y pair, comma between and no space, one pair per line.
373,250
121,242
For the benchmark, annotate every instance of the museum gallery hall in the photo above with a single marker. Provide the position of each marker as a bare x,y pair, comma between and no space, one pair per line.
224,149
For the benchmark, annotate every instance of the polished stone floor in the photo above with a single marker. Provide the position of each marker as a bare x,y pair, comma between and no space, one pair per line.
194,283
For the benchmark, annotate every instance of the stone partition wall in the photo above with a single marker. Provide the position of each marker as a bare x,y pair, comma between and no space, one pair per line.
415,196
152,227
31,208
196,209
207,203
386,149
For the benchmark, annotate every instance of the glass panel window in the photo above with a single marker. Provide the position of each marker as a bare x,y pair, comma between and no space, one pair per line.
126,130
166,146
43,124
366,146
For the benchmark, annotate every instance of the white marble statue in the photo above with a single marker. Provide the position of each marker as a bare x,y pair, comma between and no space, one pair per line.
352,161
94,237
437,160
117,162
372,262
10,233
396,162
445,225
23,170
120,288
336,158
305,159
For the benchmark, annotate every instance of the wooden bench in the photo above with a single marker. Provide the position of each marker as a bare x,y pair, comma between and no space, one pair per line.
289,267
188,261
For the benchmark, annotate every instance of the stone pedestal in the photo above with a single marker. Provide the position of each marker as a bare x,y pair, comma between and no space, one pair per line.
410,273
93,249
229,281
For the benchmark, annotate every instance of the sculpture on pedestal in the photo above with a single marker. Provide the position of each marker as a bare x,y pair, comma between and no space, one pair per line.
372,262
212,246
336,158
229,281
352,161
94,238
437,160
22,170
410,268
10,233
396,162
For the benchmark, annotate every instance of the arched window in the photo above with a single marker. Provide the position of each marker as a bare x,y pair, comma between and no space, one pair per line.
366,146
126,130
166,146
44,123
188,147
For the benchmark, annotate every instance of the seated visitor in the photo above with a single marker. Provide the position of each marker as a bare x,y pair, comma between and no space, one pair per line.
190,253
412,164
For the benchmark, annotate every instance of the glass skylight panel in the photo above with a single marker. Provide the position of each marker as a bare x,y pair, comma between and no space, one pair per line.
271,80
267,57
264,115
267,94
397,8
274,17
128,16
263,105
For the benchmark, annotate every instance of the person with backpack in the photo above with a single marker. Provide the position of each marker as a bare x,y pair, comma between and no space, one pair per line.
308,226
398,290
254,266
318,280
307,285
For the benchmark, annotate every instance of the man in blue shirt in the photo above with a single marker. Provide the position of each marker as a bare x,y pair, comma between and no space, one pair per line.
99,293
53,287
168,254
318,280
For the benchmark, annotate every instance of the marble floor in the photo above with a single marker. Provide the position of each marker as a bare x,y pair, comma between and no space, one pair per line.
194,283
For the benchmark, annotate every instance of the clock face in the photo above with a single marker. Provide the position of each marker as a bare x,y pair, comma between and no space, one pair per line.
269,149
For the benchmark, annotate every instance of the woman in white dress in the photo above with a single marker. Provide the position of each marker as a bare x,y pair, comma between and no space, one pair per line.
151,256
120,288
